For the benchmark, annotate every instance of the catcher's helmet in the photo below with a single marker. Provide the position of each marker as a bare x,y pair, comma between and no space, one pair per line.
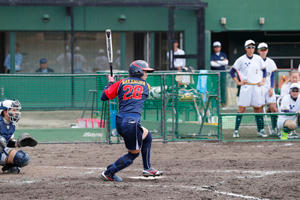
13,108
137,68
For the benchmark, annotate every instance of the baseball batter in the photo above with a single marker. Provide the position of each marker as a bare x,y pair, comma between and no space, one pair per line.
251,75
269,86
132,93
290,103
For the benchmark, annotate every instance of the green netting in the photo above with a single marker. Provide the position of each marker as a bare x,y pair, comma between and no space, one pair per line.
49,91
180,108
252,124
190,110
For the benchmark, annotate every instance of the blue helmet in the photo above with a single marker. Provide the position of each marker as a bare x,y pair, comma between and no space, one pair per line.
137,68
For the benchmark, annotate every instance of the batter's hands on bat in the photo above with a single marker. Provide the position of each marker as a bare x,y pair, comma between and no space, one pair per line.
111,79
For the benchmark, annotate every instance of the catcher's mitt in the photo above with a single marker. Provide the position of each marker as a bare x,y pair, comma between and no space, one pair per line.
25,140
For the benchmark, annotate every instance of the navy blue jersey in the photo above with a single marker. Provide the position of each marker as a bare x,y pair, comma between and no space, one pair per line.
132,93
6,130
215,57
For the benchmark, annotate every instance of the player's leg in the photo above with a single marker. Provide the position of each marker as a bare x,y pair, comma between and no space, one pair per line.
258,101
238,121
288,126
127,127
146,154
274,118
243,102
260,122
12,160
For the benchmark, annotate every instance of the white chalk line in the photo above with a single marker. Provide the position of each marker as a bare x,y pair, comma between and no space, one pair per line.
147,178
256,174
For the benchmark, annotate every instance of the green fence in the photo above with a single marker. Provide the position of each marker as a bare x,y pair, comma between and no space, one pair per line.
37,92
180,106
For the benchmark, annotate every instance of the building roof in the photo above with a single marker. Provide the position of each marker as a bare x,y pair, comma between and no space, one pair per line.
192,4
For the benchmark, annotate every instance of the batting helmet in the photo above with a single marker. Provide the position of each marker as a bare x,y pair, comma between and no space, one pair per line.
137,68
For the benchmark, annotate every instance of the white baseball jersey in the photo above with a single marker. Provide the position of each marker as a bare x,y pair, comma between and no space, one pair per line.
270,67
179,62
250,69
288,105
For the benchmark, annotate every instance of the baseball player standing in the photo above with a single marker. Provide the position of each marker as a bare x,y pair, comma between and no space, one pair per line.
269,86
251,72
132,93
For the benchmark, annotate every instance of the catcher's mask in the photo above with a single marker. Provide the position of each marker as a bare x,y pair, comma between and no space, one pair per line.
13,108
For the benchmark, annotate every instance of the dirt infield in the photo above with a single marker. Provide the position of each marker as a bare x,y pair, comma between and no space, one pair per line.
192,171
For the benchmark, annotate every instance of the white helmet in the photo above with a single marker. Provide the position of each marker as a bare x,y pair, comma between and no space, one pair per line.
13,108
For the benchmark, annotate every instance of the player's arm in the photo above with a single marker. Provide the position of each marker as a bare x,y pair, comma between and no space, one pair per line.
110,90
223,62
272,77
272,80
233,73
214,63
264,71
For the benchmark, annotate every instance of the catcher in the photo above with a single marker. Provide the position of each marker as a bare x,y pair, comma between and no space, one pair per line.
10,158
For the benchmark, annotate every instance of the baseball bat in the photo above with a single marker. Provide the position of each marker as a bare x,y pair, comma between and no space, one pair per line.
109,49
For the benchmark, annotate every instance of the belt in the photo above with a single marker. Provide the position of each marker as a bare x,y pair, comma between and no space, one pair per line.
251,84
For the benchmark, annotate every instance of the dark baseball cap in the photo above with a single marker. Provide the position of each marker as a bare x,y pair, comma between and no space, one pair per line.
43,61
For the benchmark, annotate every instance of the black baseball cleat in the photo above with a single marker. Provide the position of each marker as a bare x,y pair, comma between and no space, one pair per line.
10,169
152,172
110,178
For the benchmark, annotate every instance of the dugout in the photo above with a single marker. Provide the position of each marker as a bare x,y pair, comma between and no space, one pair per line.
61,29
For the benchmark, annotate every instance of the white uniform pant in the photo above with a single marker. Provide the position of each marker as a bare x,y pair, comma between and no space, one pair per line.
251,95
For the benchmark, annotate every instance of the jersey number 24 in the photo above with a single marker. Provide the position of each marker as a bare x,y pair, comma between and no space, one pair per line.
132,92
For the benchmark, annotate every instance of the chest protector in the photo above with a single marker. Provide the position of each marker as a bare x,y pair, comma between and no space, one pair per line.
6,130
